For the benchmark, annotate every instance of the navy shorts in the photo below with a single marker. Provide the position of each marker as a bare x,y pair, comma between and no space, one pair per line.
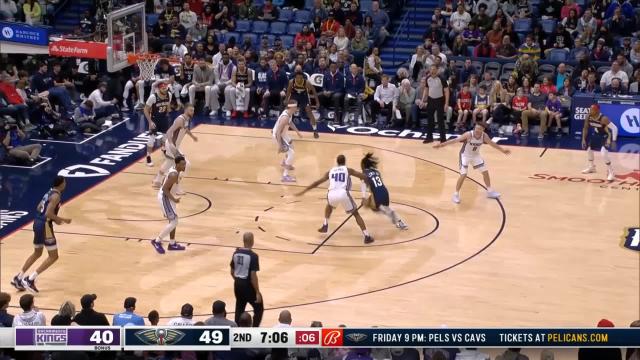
380,196
596,141
162,126
301,99
43,235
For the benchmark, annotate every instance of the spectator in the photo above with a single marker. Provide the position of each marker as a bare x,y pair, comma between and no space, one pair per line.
88,316
219,318
580,82
284,319
579,51
569,5
208,15
499,100
353,14
617,24
6,319
154,318
435,34
529,48
473,84
463,104
560,39
634,54
330,26
459,46
30,316
519,103
188,18
338,13
536,110
495,34
333,91
615,88
223,21
87,23
222,76
484,49
354,90
360,46
238,94
592,85
373,66
633,354
318,10
471,34
570,22
380,23
614,72
85,118
547,86
128,317
12,141
502,18
633,87
11,103
526,67
341,41
385,97
32,12
511,86
8,10
512,354
482,20
553,108
600,353
185,318
526,86
491,6
176,30
471,354
560,76
481,105
438,18
244,320
305,36
550,9
406,99
101,107
487,81
42,82
587,22
268,11
418,62
600,52
513,36
467,70
625,65
523,9
506,50
65,315
178,49
278,82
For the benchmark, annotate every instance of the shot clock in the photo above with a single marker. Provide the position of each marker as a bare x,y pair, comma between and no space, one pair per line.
274,337
68,338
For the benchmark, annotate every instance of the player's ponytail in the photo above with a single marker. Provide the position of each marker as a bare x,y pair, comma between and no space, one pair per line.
369,161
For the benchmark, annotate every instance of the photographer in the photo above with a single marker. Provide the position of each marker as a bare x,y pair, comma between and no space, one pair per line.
12,138
85,117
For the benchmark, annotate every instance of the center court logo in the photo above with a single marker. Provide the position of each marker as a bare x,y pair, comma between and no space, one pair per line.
625,181
332,337
159,336
630,120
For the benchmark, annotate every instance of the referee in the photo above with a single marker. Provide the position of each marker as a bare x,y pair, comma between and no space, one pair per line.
437,100
244,270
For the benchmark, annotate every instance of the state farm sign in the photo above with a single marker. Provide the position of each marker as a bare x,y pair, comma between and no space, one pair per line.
79,49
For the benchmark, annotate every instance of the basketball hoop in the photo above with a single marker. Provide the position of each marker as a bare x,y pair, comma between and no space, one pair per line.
146,63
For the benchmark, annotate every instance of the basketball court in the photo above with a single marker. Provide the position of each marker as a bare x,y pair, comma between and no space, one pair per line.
549,253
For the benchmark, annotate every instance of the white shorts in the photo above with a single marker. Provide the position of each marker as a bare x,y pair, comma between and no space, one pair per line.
284,144
167,206
476,161
342,198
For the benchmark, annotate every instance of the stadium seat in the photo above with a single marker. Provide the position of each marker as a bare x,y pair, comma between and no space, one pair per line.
220,37
459,65
278,28
152,19
232,34
287,41
308,4
365,5
295,28
493,68
508,69
522,25
602,69
286,15
569,69
548,25
470,49
260,27
243,26
302,16
546,70
254,38
582,3
272,39
478,65
558,55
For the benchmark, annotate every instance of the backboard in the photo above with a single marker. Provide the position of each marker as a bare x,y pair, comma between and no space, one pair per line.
126,34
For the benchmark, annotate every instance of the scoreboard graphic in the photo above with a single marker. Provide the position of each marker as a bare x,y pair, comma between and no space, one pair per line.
203,338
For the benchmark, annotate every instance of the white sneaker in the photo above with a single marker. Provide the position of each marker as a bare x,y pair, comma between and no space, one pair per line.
213,113
228,113
288,178
611,176
456,198
590,170
493,194
401,225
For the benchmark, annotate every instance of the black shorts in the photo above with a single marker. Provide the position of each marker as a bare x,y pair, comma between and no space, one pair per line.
301,99
380,196
162,125
596,140
243,290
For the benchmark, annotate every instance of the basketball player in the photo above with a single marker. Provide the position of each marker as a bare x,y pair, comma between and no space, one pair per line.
470,154
168,199
245,265
301,90
164,73
339,186
186,75
284,142
43,236
240,89
596,135
156,111
172,141
379,198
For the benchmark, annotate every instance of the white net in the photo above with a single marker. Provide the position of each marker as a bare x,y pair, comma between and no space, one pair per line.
147,66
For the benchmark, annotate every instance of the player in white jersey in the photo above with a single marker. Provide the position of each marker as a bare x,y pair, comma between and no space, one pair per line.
470,154
168,200
339,186
172,141
282,139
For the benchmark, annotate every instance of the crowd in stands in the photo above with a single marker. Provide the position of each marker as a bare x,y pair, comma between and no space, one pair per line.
32,12
29,315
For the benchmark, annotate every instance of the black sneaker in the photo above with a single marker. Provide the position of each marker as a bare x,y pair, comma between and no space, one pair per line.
368,239
324,228
17,283
149,162
29,284
427,140
315,134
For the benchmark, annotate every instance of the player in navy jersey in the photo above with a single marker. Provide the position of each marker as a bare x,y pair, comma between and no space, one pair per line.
302,92
156,111
379,198
186,75
596,136
43,236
